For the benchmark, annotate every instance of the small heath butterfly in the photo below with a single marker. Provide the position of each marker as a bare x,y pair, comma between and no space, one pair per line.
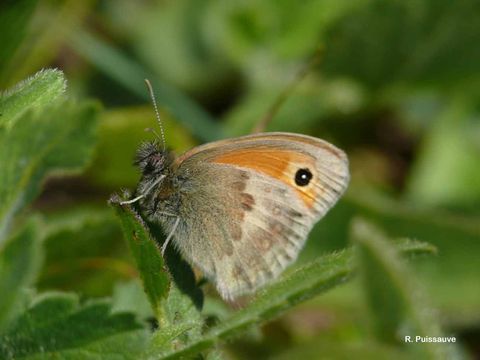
240,209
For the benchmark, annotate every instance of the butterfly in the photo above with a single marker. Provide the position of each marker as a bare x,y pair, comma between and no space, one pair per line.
241,209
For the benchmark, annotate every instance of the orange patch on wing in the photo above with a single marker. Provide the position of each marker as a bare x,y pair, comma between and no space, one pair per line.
279,164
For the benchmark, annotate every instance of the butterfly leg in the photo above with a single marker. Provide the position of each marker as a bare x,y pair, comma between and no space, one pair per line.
132,201
160,178
169,237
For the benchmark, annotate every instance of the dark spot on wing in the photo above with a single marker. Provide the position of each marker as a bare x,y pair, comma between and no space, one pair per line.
247,201
239,185
236,233
276,228
294,213
262,239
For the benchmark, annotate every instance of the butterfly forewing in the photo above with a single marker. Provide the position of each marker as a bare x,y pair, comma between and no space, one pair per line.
250,202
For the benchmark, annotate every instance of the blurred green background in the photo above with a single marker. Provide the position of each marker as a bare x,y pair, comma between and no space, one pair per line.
396,85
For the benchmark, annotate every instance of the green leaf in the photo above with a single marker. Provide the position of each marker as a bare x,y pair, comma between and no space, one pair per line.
182,323
397,303
56,326
20,259
14,18
153,272
53,139
215,354
131,75
175,304
83,252
178,316
130,297
300,285
39,90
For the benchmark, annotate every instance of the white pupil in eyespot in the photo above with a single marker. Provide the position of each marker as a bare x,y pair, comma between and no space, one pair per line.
303,177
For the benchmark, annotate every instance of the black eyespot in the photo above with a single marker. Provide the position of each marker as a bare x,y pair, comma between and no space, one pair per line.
303,177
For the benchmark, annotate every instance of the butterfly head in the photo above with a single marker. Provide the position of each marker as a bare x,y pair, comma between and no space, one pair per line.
152,159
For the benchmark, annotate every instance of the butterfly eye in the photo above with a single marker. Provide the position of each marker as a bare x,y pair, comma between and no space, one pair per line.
149,167
303,177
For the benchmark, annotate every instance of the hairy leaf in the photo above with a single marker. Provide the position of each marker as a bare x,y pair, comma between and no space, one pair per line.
20,259
84,251
130,297
54,139
56,326
39,90
175,304
153,272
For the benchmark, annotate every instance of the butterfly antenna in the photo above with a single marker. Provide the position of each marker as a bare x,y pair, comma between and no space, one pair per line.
157,114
